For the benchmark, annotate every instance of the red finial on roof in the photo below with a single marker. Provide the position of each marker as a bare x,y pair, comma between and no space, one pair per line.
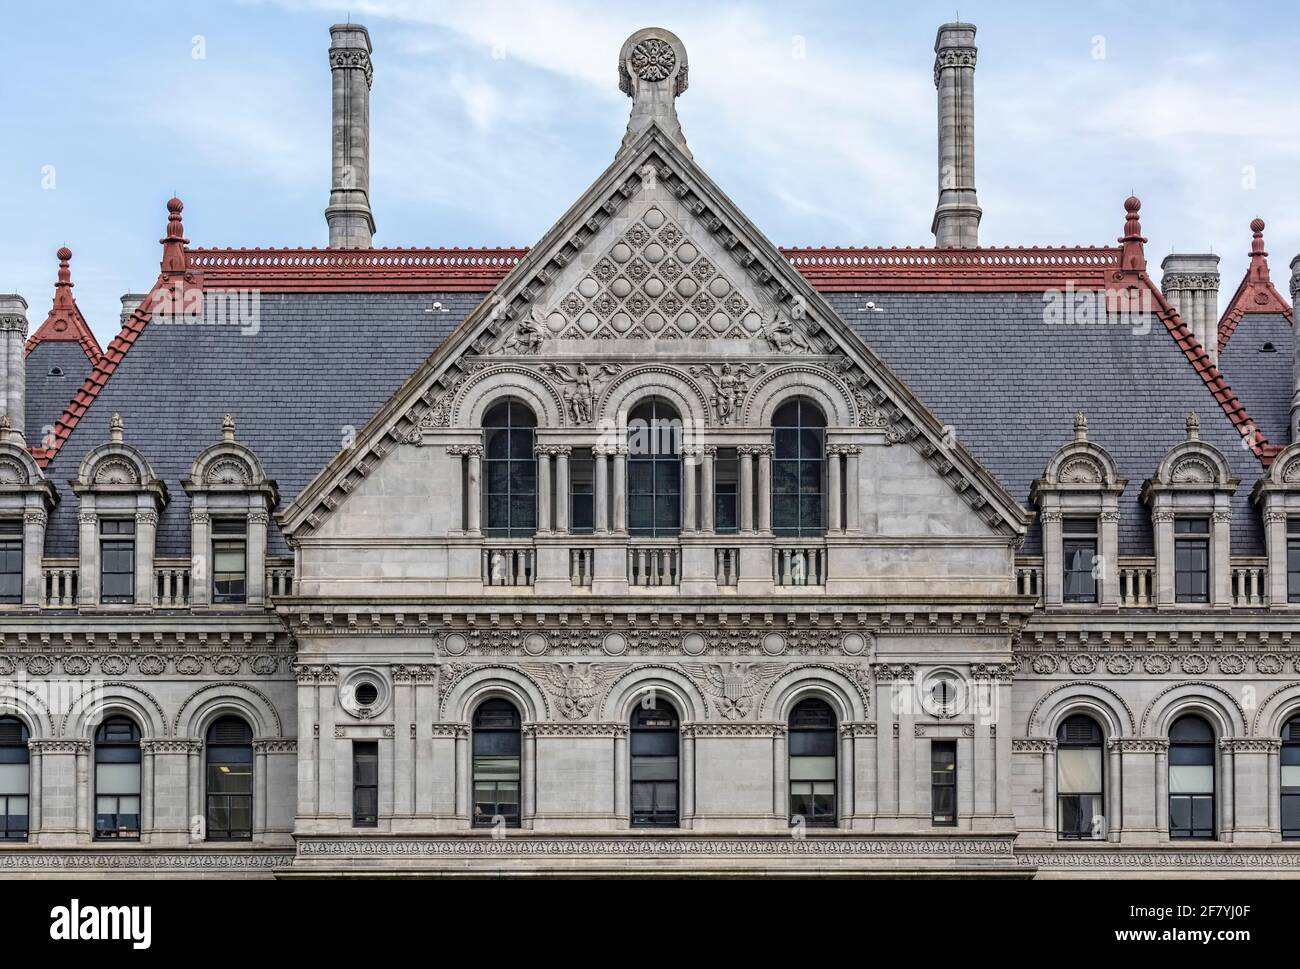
65,324
174,243
1256,294
63,288
1132,257
1258,255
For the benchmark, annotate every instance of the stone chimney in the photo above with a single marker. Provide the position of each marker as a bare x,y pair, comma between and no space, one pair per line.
1295,359
130,303
1191,284
652,71
348,215
957,217
13,360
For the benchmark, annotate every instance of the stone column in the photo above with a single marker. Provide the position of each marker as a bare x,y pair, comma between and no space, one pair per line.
1114,788
528,778
1221,554
620,490
34,522
1163,522
1190,283
834,499
781,774
1049,789
602,490
1162,792
308,744
13,358
194,773
84,794
561,524
1109,548
146,527
351,224
261,791
746,457
957,216
687,769
474,481
88,563
543,455
1227,807
1053,563
1275,791
708,489
689,476
463,779
852,497
1275,534
258,520
201,558
764,453
34,792
845,806
622,793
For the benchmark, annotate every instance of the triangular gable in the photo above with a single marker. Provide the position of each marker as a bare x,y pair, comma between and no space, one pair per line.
65,324
781,313
1256,295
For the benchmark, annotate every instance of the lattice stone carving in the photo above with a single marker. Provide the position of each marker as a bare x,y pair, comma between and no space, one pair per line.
654,283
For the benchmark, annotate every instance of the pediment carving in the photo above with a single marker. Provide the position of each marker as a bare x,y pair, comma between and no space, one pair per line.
12,472
1081,471
1193,470
115,470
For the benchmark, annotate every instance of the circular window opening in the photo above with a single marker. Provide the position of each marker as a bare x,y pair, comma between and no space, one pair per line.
367,694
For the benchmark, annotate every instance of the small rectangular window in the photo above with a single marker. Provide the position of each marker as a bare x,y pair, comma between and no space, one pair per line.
1192,560
582,492
365,784
229,560
726,491
1079,559
11,560
117,560
943,783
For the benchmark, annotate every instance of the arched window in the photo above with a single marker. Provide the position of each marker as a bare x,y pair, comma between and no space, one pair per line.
812,763
510,465
654,470
13,779
1191,779
1080,807
798,469
1291,779
230,780
497,744
117,779
655,756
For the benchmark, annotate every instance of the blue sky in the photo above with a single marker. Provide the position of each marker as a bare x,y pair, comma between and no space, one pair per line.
489,118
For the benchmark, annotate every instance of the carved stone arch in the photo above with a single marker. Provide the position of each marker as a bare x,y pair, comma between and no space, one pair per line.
17,467
1082,464
633,386
249,703
1276,709
773,389
1083,696
489,387
1194,462
820,682
625,692
103,700
26,704
1194,696
1285,469
227,464
114,464
511,683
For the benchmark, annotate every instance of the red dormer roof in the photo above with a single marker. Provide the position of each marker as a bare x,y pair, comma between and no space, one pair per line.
65,324
1256,294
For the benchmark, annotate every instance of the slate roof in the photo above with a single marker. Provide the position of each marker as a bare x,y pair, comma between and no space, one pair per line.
1010,385
1262,379
320,363
48,394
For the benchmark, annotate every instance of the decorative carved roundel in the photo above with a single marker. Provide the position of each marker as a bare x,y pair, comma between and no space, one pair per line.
1291,474
116,471
1081,471
12,472
229,471
653,59
1192,470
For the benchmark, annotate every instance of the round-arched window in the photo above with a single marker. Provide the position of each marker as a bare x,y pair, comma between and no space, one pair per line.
1191,778
799,469
510,470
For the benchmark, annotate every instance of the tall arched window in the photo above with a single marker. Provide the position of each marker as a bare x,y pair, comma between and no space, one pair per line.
812,763
230,780
497,743
1191,779
13,779
798,469
655,751
654,470
1291,779
1080,805
510,467
117,779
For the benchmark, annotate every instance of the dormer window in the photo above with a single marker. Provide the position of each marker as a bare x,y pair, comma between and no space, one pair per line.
1079,545
1192,560
117,560
11,561
229,560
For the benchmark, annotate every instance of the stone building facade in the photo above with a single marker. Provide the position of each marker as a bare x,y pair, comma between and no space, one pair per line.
654,548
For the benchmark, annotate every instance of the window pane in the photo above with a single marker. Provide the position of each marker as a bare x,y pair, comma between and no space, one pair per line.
1079,771
13,778
117,778
812,768
1191,780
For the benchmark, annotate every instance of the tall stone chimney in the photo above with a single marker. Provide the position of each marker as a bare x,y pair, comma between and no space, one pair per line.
957,217
1191,284
13,359
1295,359
351,224
130,303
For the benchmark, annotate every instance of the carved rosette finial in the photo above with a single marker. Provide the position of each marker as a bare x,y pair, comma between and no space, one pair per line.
115,429
652,71
228,428
1080,426
1193,427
